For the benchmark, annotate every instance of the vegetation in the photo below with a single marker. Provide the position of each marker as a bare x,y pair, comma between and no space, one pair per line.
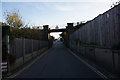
82,23
116,3
15,27
51,39
79,25
21,33
64,37
13,19
26,33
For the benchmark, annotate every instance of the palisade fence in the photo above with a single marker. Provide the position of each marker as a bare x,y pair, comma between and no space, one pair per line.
24,50
97,39
26,46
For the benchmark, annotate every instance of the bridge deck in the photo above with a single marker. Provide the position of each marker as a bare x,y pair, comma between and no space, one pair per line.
57,30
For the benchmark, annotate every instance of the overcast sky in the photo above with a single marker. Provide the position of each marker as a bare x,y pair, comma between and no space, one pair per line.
56,12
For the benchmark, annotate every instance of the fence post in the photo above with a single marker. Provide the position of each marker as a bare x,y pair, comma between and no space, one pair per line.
32,48
0,51
8,47
40,46
23,51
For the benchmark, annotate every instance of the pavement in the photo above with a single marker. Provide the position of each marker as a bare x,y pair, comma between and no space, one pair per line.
59,62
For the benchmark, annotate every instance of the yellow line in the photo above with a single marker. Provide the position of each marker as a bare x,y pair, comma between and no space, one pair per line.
91,67
26,67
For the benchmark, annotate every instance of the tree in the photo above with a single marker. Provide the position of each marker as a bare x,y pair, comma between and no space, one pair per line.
116,3
13,19
64,37
51,39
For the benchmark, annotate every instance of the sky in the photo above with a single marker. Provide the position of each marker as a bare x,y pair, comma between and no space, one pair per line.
39,13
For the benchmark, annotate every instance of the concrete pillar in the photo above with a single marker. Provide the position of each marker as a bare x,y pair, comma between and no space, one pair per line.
69,29
45,32
5,40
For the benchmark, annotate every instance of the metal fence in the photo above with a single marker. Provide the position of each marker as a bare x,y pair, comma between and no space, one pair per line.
103,31
26,46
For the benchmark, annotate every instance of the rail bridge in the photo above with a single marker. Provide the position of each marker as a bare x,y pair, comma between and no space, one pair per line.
46,30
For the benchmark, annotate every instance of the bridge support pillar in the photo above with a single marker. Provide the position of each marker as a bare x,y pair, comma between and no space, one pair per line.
69,29
45,32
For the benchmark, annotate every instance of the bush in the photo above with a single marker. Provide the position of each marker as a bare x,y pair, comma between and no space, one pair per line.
27,33
51,39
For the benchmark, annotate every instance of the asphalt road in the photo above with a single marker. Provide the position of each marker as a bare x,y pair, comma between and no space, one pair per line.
58,63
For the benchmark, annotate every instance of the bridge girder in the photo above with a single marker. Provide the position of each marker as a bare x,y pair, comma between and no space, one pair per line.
57,30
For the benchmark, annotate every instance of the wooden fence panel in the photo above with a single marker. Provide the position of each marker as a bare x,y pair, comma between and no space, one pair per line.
82,34
111,28
29,45
96,31
100,30
109,31
119,21
88,32
117,24
104,30
93,32
18,48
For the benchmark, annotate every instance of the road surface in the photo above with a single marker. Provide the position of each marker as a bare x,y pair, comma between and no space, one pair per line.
58,63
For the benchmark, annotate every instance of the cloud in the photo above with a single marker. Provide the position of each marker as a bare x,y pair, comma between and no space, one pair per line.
64,8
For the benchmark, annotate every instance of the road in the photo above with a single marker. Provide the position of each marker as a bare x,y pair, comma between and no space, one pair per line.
58,63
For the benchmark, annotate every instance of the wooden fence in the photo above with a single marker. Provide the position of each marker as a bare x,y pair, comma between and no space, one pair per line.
103,31
95,40
26,46
21,50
